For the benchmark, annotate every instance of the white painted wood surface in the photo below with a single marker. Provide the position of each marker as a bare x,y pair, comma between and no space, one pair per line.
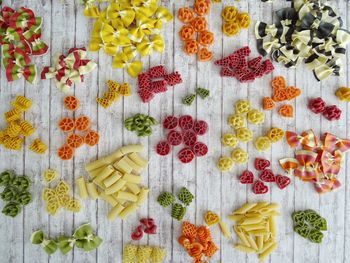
65,27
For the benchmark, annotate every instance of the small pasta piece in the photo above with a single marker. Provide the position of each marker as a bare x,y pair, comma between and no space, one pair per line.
13,129
128,210
115,187
127,196
129,253
242,106
236,121
38,146
80,182
130,178
123,166
113,178
239,156
91,189
225,230
71,103
241,235
244,248
267,251
22,103
136,158
13,115
255,116
225,164
142,196
251,227
115,211
27,128
251,220
229,140
262,143
109,199
50,175
244,134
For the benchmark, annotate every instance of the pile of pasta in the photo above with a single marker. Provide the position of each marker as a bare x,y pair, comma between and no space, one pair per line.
281,92
60,197
126,28
197,241
115,178
256,228
145,254
234,21
195,33
12,137
115,90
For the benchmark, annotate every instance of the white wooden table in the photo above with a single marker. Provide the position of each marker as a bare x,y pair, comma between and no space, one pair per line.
65,27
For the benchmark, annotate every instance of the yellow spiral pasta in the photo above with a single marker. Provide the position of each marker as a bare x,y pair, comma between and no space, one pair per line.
229,139
2,136
236,121
13,129
242,106
38,147
13,115
27,128
225,164
244,134
239,156
255,116
14,143
262,143
22,103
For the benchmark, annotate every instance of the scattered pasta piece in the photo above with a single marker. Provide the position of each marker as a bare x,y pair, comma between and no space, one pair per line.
185,196
255,116
202,92
165,199
82,123
71,103
66,124
343,93
262,143
256,228
74,141
268,103
211,218
22,103
141,124
189,99
65,152
50,175
275,134
236,121
244,134
92,138
229,140
239,156
242,106
286,110
178,211
38,146
225,164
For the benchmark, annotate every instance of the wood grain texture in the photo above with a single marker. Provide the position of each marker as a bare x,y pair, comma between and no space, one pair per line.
65,27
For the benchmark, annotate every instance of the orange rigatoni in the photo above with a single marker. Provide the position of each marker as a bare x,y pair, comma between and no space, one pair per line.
286,111
268,103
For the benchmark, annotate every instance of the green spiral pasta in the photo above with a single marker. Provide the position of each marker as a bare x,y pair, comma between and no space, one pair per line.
203,93
185,196
6,177
165,199
9,193
178,211
24,198
189,99
11,209
22,182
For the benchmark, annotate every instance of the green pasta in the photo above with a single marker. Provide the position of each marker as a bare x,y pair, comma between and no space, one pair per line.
299,217
189,99
178,211
141,124
320,224
6,177
165,199
9,193
185,196
202,92
24,198
304,231
11,209
316,236
22,182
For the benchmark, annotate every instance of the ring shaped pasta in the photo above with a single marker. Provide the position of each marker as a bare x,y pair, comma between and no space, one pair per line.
185,14
75,141
243,20
230,28
275,134
71,103
242,106
343,93
92,138
262,143
199,24
229,13
225,164
66,124
236,121
82,123
201,7
239,156
65,152
244,134
255,116
186,32
206,38
191,47
229,139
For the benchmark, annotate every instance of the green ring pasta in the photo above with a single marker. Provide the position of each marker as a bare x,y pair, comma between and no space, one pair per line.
6,177
11,209
22,182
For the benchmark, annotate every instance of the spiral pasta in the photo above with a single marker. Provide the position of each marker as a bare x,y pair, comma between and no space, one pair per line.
22,103
38,146
13,129
14,143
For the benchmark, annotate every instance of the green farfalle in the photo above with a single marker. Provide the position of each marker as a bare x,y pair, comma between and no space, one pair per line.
202,92
65,244
24,198
165,199
38,238
178,211
185,196
316,236
22,182
12,209
85,238
6,177
189,99
9,193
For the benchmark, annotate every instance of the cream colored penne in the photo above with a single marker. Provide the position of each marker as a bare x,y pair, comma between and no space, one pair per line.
267,237
224,229
251,241
251,220
109,199
244,208
267,252
260,242
271,213
258,232
96,172
266,246
91,189
245,249
142,196
134,188
114,177
80,182
128,210
127,196
236,217
123,166
136,158
252,227
107,171
241,235
259,206
268,208
273,227
115,187
130,178
115,211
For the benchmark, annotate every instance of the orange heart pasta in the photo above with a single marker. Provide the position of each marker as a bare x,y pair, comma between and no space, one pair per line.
204,54
278,82
286,111
268,103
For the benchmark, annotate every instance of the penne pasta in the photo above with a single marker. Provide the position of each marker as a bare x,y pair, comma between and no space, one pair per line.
244,248
259,206
272,224
241,236
251,220
115,211
266,246
251,241
252,227
236,217
260,242
244,208
268,208
267,252
83,193
225,230
258,232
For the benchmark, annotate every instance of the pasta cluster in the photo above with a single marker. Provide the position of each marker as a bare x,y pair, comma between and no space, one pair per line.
264,143
234,21
59,197
83,237
256,228
141,124
16,192
115,178
309,225
12,137
115,90
143,254
197,241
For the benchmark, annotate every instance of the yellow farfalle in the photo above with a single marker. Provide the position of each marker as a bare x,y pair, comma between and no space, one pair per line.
143,27
146,46
122,61
91,11
121,12
117,36
162,15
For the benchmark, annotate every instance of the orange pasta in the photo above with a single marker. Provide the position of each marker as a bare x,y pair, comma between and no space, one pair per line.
186,32
206,38
71,103
278,82
189,230
75,141
292,92
191,47
66,124
65,152
92,138
185,14
184,241
199,24
82,123
204,54
280,95
195,250
210,250
286,111
201,7
268,103
203,234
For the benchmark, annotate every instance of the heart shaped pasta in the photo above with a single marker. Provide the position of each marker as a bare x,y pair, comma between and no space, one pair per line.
211,218
204,54
261,164
246,177
282,181
260,188
267,176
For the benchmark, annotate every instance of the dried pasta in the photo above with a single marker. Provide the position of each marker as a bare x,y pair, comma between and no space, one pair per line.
178,211
239,156
242,106
229,140
22,103
255,116
262,143
165,199
185,196
38,146
50,175
236,121
225,164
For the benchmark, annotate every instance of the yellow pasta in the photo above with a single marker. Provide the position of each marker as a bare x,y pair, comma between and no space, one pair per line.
273,228
22,103
38,146
91,189
251,241
136,158
83,193
267,252
127,196
130,178
27,128
245,208
258,206
142,196
241,235
107,171
96,172
50,175
244,248
13,143
113,178
251,227
260,242
251,220
13,115
225,230
115,211
115,187
123,166
13,129
128,210
236,217
137,168
268,208
134,188
109,199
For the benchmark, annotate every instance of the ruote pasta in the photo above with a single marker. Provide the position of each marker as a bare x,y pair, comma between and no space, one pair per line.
234,21
116,179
